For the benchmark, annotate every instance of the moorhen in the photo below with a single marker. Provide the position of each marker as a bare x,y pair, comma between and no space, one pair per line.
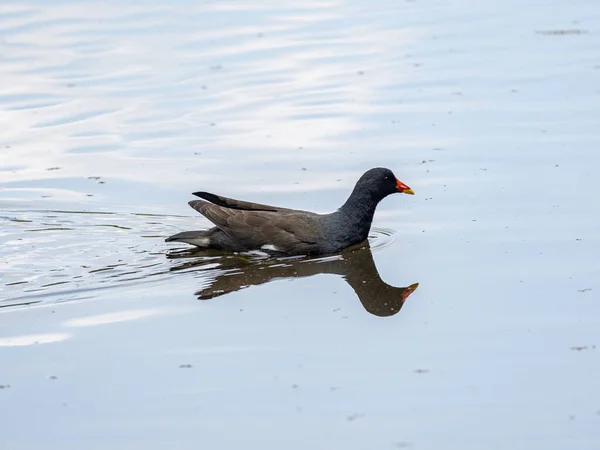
244,226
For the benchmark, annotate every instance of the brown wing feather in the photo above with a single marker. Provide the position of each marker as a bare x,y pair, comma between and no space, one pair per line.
292,232
232,203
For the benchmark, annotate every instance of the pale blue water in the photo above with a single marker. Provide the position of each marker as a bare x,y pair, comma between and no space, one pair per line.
111,114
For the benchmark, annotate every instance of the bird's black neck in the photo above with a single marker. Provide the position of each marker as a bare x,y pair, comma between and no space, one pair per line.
357,213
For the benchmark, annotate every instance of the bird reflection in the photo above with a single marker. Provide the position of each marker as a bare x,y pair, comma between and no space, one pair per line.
231,273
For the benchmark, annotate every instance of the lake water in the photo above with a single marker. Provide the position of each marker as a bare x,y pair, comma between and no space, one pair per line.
112,113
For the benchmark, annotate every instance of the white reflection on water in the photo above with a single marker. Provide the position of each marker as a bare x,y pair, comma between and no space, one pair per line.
137,92
121,316
32,339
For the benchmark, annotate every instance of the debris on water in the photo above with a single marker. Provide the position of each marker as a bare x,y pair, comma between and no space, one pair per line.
584,290
579,348
421,370
561,32
185,366
4,386
53,168
355,416
53,377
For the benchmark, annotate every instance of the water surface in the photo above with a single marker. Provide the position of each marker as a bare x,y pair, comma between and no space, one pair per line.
111,114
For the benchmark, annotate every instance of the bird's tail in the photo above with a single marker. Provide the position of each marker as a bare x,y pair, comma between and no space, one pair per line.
197,238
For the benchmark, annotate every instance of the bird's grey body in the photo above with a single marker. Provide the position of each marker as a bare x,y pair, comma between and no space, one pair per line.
244,226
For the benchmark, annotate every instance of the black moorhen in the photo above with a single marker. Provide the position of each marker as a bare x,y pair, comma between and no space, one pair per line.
244,226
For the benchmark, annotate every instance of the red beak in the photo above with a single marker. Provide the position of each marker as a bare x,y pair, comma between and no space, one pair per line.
403,188
408,290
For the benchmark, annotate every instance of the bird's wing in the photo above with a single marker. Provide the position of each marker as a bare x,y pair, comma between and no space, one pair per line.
289,232
236,204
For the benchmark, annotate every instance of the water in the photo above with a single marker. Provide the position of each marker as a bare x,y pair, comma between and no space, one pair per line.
111,114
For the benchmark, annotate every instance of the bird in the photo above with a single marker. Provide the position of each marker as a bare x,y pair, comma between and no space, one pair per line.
242,226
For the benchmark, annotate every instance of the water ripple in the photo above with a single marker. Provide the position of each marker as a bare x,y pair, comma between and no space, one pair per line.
55,256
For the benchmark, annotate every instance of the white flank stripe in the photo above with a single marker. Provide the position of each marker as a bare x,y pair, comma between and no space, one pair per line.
270,247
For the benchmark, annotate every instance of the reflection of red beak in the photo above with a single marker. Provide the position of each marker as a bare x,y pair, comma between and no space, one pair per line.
409,290
403,188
